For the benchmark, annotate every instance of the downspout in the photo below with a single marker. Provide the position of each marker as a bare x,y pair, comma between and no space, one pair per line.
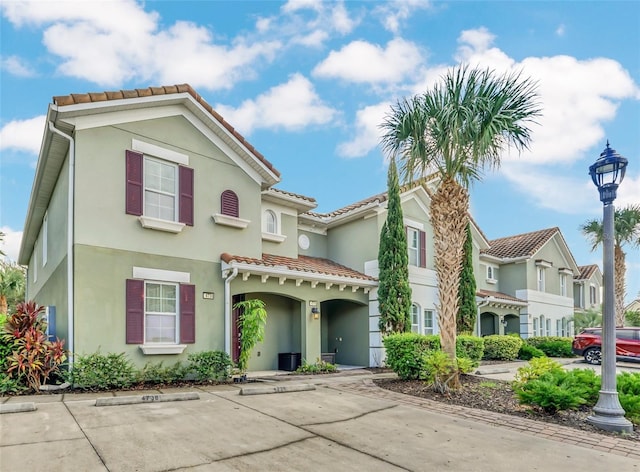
70,306
227,309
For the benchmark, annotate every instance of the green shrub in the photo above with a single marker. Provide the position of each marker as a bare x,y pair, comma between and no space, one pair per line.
537,367
556,348
471,347
499,347
439,369
319,367
9,386
528,352
405,353
157,373
209,365
6,344
548,394
629,394
102,372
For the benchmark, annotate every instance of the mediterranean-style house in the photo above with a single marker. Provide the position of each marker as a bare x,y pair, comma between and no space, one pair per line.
587,288
151,216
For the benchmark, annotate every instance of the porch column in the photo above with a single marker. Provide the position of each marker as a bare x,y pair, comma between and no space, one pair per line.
311,333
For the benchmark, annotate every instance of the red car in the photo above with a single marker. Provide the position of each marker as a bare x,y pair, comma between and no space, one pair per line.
588,344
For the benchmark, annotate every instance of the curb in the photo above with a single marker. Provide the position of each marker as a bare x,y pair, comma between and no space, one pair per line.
491,371
276,389
17,407
154,398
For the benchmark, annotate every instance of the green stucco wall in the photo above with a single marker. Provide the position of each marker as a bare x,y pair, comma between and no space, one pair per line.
354,243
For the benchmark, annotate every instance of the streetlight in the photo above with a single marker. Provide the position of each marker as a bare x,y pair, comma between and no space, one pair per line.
607,173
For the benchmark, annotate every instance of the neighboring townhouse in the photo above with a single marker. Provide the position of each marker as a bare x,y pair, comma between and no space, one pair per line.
587,288
535,271
633,306
150,215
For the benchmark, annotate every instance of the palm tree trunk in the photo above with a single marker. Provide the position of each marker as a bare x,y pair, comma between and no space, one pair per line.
3,304
620,268
449,208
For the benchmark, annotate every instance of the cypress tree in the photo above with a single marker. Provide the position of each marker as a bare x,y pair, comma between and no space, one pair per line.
394,292
468,308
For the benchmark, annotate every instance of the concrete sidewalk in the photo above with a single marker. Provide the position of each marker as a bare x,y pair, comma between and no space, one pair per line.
346,423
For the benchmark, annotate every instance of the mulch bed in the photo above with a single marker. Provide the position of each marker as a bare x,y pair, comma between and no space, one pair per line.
498,396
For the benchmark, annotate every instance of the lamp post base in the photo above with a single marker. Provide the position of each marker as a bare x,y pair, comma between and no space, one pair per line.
609,415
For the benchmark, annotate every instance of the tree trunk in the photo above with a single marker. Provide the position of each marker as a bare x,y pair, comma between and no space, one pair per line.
449,210
620,268
3,305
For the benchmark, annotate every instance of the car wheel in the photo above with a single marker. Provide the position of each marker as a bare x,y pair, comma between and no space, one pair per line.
593,356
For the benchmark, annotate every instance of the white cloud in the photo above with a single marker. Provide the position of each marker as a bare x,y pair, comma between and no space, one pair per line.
292,106
629,192
561,30
124,42
10,245
396,12
297,5
23,135
367,133
363,62
17,66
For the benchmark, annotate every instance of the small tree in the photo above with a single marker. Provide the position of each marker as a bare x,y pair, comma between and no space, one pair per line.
632,318
588,319
252,320
394,292
12,283
468,309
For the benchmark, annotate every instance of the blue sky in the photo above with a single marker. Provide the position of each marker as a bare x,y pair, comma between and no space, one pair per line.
308,82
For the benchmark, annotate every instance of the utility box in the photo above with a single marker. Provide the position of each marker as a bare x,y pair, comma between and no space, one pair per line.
329,357
289,361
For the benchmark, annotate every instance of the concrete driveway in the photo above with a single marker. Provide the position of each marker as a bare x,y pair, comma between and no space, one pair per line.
330,428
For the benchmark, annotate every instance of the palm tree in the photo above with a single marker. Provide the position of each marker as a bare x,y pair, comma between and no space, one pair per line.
626,223
454,131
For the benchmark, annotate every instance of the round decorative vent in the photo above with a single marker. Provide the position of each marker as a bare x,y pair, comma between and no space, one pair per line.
303,241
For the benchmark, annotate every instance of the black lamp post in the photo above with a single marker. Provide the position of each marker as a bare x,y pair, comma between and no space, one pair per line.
607,173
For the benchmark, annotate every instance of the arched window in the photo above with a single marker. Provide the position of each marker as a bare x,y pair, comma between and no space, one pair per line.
229,204
270,222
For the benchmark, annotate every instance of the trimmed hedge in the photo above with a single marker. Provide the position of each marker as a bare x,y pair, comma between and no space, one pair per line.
500,347
406,351
528,352
552,346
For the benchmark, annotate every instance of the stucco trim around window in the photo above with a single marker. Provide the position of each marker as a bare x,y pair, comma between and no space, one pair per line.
274,238
543,263
157,151
232,221
156,349
161,275
161,225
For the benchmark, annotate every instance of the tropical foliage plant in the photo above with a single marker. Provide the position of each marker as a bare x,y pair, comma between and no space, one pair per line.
252,320
12,286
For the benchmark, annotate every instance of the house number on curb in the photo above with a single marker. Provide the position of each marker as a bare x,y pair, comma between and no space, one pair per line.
150,398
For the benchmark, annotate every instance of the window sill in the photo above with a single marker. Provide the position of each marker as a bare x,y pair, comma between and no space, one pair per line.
232,221
274,238
161,225
154,349
492,281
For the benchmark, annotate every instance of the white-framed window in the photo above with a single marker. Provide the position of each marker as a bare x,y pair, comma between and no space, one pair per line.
536,327
542,326
548,330
563,285
540,271
160,189
559,328
593,296
413,243
428,322
415,318
45,238
35,262
161,311
270,222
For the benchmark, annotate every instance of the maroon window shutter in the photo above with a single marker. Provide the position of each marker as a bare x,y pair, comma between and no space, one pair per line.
134,183
229,204
187,313
186,195
135,311
423,249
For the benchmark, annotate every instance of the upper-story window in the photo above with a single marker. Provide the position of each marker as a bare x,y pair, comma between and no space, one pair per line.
416,243
229,204
540,271
593,297
270,222
45,239
492,274
415,318
563,285
159,188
